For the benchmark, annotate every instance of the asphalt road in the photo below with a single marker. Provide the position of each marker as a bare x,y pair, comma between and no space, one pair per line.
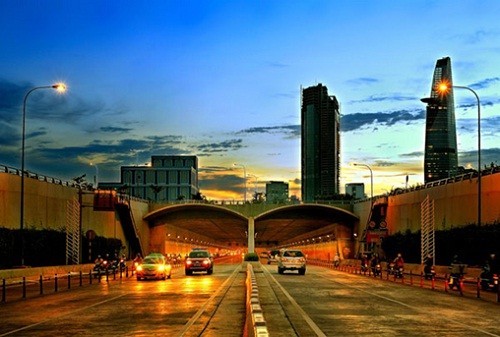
323,302
181,306
334,303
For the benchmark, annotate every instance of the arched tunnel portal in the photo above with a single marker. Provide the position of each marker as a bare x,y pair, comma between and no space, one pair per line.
223,228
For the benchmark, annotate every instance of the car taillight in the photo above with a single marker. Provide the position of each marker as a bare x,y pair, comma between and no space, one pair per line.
206,262
302,259
189,262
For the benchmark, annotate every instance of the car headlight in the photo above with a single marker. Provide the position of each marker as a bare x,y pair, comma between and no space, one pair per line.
161,267
188,262
139,268
206,262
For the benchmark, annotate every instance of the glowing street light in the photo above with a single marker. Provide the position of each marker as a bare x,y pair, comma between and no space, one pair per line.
444,89
59,87
371,177
244,178
96,179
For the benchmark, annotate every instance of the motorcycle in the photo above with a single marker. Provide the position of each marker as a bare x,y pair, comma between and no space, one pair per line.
399,272
488,280
429,272
364,267
122,265
392,269
100,267
454,281
376,270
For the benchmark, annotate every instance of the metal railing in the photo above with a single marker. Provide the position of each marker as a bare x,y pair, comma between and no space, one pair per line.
466,286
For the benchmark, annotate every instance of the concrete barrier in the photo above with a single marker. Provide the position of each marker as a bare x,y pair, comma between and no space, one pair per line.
255,322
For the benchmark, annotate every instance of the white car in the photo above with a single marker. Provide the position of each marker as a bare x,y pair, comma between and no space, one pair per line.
292,259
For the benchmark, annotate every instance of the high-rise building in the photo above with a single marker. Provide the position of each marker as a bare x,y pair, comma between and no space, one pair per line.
440,159
320,124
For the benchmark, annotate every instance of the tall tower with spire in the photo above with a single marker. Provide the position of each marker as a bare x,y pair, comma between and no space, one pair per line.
440,158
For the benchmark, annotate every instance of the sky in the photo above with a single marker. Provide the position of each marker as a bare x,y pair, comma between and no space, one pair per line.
221,80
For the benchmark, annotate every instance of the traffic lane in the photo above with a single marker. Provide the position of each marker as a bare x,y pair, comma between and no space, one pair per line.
131,307
343,304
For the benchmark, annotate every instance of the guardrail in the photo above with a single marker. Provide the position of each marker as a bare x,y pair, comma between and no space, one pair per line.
24,287
411,278
32,285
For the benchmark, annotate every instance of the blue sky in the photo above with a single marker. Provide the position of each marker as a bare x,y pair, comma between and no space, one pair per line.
221,80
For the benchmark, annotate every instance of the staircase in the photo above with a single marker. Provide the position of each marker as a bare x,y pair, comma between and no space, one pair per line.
124,212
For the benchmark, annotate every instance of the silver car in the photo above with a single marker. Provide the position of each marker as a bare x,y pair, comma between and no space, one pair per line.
292,259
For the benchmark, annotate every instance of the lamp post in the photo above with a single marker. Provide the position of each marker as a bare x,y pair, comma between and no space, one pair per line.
244,178
60,87
371,177
96,178
444,89
255,180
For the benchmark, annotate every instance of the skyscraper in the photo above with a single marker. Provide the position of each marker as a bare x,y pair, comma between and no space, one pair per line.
440,159
320,125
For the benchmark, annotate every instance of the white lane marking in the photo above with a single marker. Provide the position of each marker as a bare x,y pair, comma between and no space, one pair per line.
407,306
62,315
205,305
308,319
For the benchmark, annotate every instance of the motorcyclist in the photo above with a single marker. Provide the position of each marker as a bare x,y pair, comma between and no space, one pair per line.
399,262
428,264
375,264
336,260
399,265
364,262
457,271
490,269
137,261
98,260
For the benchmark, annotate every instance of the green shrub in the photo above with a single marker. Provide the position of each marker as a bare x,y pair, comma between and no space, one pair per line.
251,257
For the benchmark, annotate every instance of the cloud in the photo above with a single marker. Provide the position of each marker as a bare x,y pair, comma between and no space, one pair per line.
381,98
415,154
362,81
292,131
114,129
224,146
488,156
487,82
226,182
357,120
475,37
348,122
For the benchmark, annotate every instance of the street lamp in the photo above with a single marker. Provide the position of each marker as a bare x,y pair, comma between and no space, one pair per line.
255,180
444,89
244,178
60,87
371,176
96,178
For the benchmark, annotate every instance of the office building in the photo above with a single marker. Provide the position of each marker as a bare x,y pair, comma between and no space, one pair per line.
320,148
168,178
440,158
356,190
276,192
